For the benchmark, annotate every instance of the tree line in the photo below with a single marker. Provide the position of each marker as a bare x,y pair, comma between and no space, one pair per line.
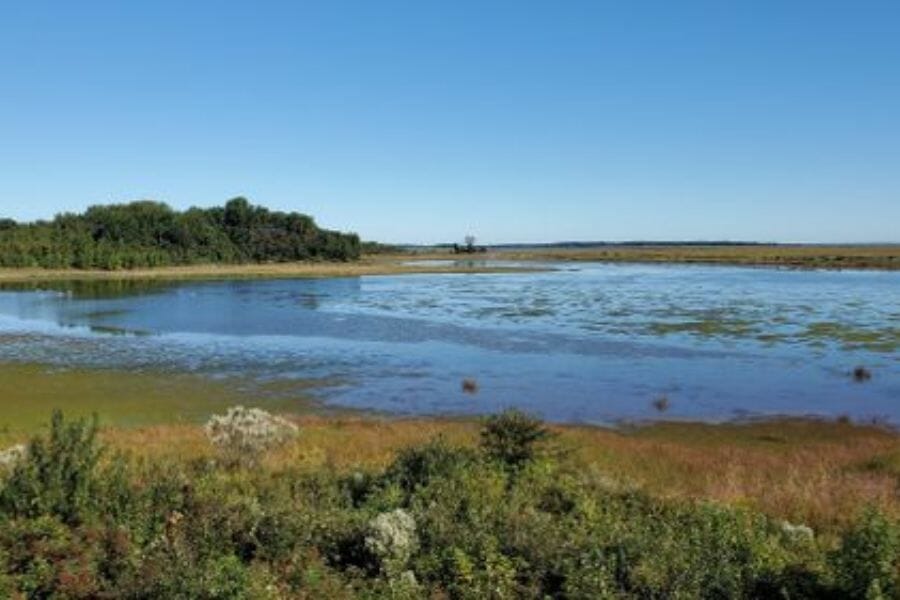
152,234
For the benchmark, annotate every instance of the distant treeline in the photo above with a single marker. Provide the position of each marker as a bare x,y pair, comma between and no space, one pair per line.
630,243
152,234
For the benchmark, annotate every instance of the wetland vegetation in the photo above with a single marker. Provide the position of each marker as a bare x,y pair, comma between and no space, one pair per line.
806,256
502,508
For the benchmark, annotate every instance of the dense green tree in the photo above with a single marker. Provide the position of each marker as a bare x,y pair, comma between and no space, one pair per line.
152,234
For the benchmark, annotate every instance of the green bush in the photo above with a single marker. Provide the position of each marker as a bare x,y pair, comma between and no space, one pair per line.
867,564
58,475
513,438
416,467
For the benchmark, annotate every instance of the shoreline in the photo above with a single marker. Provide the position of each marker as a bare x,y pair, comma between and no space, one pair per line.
367,266
127,400
821,467
832,258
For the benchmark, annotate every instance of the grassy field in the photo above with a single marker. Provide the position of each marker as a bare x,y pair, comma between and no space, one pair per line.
815,472
813,257
371,265
818,472
30,393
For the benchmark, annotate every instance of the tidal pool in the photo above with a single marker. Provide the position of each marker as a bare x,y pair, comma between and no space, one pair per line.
593,343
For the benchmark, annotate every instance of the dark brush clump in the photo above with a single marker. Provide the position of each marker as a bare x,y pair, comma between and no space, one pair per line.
662,404
470,386
861,374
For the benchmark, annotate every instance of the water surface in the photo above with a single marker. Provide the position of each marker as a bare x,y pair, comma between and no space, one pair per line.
586,342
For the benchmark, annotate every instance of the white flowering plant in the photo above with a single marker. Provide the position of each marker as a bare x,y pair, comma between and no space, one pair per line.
392,539
10,457
242,435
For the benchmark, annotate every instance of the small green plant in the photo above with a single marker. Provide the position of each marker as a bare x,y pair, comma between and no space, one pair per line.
513,438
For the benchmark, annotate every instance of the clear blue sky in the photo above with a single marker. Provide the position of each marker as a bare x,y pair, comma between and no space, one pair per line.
422,121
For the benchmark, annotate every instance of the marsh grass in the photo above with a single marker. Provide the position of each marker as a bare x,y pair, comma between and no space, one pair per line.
814,257
31,392
816,472
804,471
368,265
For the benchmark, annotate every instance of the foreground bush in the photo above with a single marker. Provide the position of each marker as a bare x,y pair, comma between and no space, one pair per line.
441,521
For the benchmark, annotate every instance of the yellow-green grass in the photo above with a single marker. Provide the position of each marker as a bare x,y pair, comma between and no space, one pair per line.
29,394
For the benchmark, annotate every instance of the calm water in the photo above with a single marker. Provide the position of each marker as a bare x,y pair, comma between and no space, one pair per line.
592,342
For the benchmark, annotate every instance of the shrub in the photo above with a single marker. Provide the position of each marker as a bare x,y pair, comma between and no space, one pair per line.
57,477
867,564
513,438
242,435
417,466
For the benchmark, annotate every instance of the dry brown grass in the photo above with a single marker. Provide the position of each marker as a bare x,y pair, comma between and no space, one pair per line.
341,443
827,257
370,265
815,472
804,471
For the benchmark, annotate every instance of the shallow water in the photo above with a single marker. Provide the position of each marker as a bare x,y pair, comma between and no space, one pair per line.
586,342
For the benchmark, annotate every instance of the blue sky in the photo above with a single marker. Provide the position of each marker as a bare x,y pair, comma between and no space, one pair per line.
424,121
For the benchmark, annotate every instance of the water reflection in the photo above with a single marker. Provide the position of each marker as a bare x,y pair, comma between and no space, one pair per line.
92,288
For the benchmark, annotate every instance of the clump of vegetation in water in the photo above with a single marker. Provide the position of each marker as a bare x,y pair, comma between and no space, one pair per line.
662,404
861,374
439,521
704,328
851,337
